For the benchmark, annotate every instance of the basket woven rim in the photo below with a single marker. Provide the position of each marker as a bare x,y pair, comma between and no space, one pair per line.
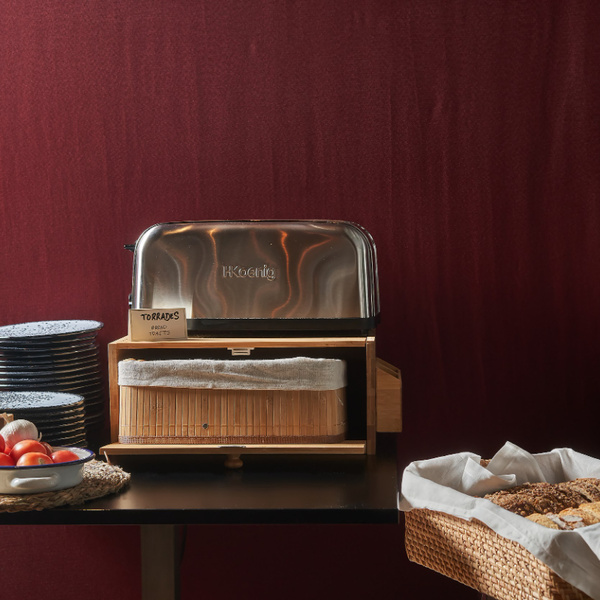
473,554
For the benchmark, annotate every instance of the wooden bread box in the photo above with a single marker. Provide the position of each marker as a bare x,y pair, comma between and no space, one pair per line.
372,400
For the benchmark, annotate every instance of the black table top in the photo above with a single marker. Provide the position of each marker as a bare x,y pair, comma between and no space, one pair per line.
267,489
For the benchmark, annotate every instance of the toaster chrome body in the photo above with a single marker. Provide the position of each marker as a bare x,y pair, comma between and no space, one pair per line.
259,275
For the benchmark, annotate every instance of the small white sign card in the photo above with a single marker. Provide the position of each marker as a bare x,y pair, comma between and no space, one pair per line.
157,324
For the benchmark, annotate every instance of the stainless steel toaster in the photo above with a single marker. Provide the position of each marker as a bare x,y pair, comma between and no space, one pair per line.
236,276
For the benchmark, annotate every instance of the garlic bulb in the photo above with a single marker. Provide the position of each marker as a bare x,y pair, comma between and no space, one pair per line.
18,430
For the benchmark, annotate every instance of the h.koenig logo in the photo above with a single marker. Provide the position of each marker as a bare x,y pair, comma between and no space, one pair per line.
264,272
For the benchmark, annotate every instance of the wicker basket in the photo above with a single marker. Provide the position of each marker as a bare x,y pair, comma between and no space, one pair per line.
473,554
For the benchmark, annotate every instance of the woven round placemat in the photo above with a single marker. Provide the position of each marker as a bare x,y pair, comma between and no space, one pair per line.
99,479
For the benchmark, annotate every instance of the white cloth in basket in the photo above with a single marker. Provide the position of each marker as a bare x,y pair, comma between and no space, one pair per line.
299,373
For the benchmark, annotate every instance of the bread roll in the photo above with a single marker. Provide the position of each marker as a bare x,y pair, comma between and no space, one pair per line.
541,497
544,520
592,510
579,515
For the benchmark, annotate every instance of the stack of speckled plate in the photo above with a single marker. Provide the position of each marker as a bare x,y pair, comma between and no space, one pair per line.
54,356
59,417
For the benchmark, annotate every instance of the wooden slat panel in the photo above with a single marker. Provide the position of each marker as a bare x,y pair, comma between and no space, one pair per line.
389,398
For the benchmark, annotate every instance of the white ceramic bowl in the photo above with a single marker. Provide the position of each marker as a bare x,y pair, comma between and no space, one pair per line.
45,478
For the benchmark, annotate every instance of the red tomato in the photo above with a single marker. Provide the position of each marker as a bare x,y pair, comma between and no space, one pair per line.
61,456
34,458
6,460
25,446
2,444
49,449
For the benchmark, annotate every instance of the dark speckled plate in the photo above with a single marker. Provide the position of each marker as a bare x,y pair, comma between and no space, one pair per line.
54,385
10,401
46,351
45,420
40,331
59,371
49,377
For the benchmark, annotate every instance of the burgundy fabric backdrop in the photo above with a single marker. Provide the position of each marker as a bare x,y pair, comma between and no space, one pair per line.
464,135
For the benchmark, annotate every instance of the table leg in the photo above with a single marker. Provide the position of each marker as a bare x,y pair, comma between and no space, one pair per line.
161,549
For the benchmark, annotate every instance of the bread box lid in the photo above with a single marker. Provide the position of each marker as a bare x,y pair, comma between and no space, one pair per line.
259,275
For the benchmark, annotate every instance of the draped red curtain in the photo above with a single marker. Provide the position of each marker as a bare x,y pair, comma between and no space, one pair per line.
464,135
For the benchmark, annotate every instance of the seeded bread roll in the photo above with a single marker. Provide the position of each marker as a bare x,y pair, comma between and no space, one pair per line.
546,498
518,501
587,487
